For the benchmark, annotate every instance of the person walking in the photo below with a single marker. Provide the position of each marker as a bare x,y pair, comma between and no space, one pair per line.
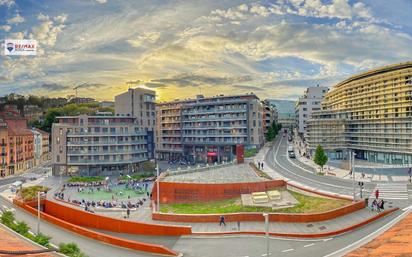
258,165
377,193
222,221
128,212
381,205
410,175
262,165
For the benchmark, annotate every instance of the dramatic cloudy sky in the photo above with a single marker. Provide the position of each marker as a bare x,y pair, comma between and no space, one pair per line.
181,48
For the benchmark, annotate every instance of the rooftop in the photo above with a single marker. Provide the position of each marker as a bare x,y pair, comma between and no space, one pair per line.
12,242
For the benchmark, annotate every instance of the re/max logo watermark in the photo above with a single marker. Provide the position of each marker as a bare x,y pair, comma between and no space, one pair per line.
20,47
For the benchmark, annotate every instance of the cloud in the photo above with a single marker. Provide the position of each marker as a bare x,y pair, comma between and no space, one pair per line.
6,28
54,87
185,80
155,85
4,79
16,19
7,3
47,31
90,85
146,37
248,88
101,1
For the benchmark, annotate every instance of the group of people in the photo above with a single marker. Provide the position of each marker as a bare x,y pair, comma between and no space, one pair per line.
88,205
377,204
85,184
260,165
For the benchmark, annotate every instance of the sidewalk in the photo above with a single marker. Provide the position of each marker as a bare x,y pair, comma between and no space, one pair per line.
144,215
345,174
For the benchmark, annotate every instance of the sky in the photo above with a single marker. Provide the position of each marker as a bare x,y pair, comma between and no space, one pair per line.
275,48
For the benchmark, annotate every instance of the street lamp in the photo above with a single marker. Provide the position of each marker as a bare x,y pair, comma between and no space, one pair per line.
157,188
266,215
39,194
352,168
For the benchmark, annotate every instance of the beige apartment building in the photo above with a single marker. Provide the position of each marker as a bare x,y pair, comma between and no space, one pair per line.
270,115
97,145
369,113
208,129
138,103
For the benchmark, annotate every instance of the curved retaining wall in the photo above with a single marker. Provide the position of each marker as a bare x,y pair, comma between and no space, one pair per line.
173,192
300,235
134,245
253,216
91,220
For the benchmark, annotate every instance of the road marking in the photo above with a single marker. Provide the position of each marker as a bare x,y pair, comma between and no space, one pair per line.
305,178
407,208
253,236
368,237
266,254
288,250
327,239
309,245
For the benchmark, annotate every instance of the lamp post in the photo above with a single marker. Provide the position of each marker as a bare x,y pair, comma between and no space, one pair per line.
266,215
157,188
352,167
39,194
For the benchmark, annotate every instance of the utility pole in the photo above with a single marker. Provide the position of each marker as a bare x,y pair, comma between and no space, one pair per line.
352,166
157,188
38,212
266,215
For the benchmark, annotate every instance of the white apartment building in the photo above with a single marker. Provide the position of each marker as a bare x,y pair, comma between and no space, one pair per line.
307,104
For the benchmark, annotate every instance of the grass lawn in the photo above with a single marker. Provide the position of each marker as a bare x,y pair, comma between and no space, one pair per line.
307,204
250,153
119,192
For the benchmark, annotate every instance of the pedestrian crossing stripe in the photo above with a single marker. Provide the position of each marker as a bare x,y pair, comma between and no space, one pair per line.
391,191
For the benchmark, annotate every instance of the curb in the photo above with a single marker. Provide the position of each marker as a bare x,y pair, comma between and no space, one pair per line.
302,235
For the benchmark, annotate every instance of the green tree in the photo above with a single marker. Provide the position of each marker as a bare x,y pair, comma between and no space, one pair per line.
270,134
7,218
42,239
71,249
21,227
320,157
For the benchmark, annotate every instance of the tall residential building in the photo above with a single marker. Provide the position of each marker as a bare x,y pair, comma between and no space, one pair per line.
307,104
208,129
270,115
41,146
139,103
97,145
20,143
369,113
4,159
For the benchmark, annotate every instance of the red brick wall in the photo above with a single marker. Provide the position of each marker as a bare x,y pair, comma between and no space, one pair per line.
91,220
171,192
134,245
240,153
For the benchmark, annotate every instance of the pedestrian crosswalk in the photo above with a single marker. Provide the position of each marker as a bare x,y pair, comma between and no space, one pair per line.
391,191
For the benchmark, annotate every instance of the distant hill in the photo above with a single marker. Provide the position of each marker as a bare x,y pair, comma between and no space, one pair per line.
284,107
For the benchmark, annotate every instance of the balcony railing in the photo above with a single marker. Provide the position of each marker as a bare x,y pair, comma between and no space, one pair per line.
106,152
105,162
94,143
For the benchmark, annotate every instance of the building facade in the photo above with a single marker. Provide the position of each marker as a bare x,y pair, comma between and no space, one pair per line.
307,104
97,145
20,145
270,115
139,103
369,113
41,146
207,130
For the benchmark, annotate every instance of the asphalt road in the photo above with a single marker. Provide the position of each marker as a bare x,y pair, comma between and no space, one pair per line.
292,169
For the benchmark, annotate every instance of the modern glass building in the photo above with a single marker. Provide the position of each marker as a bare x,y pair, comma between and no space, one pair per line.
369,113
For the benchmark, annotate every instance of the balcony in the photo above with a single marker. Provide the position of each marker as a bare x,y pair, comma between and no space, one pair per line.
105,134
106,152
237,110
94,143
105,162
213,118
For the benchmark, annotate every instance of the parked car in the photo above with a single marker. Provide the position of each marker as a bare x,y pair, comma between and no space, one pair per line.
292,155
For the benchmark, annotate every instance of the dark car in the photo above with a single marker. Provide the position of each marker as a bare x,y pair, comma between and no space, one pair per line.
292,155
